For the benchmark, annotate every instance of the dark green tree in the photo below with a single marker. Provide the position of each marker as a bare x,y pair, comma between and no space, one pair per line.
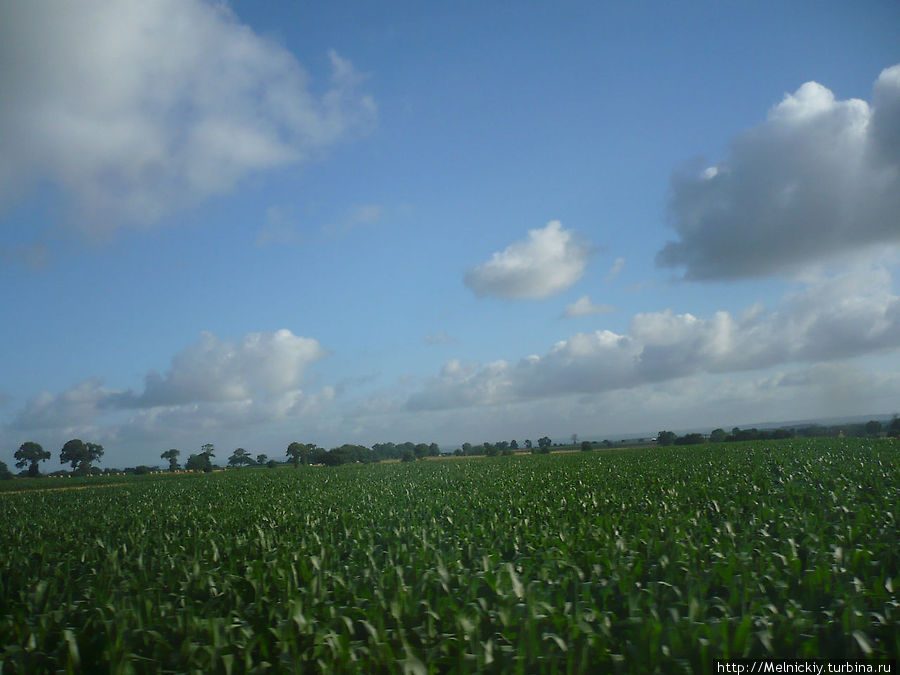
297,451
261,459
717,435
80,455
586,446
172,456
544,444
873,427
199,462
434,450
666,438
420,450
5,473
31,453
239,457
513,444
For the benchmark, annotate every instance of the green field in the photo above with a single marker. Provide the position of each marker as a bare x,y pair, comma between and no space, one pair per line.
624,560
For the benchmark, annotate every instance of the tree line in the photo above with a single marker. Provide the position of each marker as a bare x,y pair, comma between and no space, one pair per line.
870,429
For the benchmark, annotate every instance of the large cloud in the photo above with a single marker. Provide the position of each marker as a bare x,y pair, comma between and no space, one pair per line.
549,261
818,179
254,379
845,316
134,108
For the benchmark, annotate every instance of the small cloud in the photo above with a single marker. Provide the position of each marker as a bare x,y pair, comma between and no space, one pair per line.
280,228
617,266
358,216
583,306
439,338
549,261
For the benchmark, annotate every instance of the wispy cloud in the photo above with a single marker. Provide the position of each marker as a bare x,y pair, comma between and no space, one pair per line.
584,306
617,266
440,338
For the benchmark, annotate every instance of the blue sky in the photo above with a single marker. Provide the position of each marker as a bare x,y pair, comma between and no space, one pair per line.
253,223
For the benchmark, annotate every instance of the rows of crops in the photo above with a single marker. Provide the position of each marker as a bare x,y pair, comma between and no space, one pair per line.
631,561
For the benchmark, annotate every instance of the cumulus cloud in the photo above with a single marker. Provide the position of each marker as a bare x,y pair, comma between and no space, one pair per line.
77,406
584,306
841,317
550,260
820,178
134,108
218,370
255,378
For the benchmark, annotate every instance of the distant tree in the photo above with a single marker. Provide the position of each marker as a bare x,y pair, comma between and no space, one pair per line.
513,444
295,451
172,456
665,438
467,448
421,450
527,444
490,449
689,439
199,462
434,450
141,469
261,459
717,435
574,438
873,427
5,473
31,453
80,455
544,444
239,457
586,446
607,443
894,428
408,456
271,464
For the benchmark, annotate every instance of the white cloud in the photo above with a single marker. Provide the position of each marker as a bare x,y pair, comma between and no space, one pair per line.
255,379
819,179
617,266
549,261
216,370
358,216
279,228
584,306
439,338
845,316
134,109
75,407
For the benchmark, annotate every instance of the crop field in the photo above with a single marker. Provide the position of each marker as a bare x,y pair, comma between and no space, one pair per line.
635,561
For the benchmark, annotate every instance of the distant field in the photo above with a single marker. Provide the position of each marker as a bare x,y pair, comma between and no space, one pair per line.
613,560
